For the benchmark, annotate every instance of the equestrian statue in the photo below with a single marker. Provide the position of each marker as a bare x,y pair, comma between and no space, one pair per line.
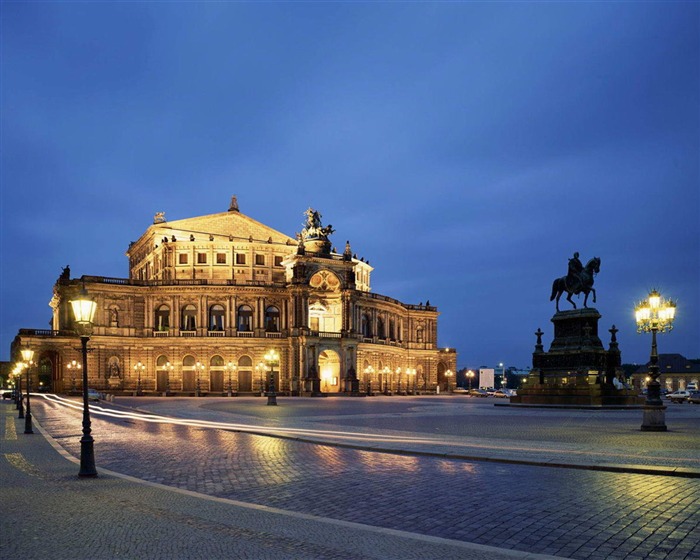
579,279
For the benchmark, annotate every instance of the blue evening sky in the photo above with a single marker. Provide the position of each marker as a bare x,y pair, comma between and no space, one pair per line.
466,149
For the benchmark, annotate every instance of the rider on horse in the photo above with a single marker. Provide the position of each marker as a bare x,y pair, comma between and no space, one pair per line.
573,278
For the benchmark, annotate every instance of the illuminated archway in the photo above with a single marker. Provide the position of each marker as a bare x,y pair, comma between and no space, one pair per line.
329,370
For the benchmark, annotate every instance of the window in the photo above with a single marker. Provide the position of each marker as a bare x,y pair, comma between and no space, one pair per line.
240,258
182,258
366,327
272,319
220,258
201,258
216,318
278,261
260,260
245,318
380,328
189,315
162,318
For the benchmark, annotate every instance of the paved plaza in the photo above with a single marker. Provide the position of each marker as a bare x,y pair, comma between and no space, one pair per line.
381,477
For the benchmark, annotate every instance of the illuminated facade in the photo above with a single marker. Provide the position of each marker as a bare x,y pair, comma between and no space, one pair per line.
207,297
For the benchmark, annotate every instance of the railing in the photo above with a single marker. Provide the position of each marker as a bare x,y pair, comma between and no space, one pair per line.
215,333
273,335
188,334
245,334
161,334
46,332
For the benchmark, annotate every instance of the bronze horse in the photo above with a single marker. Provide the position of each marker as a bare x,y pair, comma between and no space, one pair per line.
559,286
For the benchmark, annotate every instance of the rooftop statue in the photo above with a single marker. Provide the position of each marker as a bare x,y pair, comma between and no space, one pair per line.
578,279
313,228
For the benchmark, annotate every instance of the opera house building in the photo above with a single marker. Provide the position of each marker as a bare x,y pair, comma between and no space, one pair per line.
223,304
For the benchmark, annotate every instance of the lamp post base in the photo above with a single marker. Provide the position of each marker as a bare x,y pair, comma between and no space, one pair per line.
87,457
654,419
28,429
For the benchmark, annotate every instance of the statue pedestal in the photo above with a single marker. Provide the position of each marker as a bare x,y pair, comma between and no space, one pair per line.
577,370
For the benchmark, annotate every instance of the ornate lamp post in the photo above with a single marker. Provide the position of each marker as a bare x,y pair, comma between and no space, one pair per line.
138,368
84,310
20,398
27,355
230,368
168,369
199,368
398,388
260,368
470,376
72,367
386,371
411,375
655,314
448,374
369,370
273,359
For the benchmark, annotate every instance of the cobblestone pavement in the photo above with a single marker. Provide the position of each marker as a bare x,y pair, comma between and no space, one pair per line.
572,513
47,511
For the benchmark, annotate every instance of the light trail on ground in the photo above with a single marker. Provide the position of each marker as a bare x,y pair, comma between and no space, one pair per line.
330,436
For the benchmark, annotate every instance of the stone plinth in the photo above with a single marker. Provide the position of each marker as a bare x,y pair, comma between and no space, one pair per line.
577,370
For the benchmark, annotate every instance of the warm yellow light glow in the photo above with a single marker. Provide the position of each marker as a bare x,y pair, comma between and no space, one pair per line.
84,309
27,354
272,357
654,299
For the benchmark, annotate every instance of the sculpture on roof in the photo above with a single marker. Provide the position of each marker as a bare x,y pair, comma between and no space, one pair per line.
578,279
313,229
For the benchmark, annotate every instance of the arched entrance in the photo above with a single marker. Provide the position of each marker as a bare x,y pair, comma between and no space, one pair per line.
441,377
329,370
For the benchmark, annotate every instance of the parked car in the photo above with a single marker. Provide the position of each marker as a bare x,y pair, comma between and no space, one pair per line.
694,397
93,395
8,395
461,390
501,394
477,393
490,392
678,396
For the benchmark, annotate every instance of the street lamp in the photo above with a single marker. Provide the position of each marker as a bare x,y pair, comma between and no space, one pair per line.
27,355
199,368
20,398
398,389
411,374
260,368
273,359
387,388
138,368
230,368
448,374
369,370
84,310
470,376
655,314
72,366
168,369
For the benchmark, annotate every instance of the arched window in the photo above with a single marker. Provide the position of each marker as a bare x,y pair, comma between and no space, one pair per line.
189,318
216,361
162,318
366,326
161,361
216,318
245,318
272,319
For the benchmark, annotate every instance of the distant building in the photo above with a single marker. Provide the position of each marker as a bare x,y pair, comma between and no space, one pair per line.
487,377
676,373
207,297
